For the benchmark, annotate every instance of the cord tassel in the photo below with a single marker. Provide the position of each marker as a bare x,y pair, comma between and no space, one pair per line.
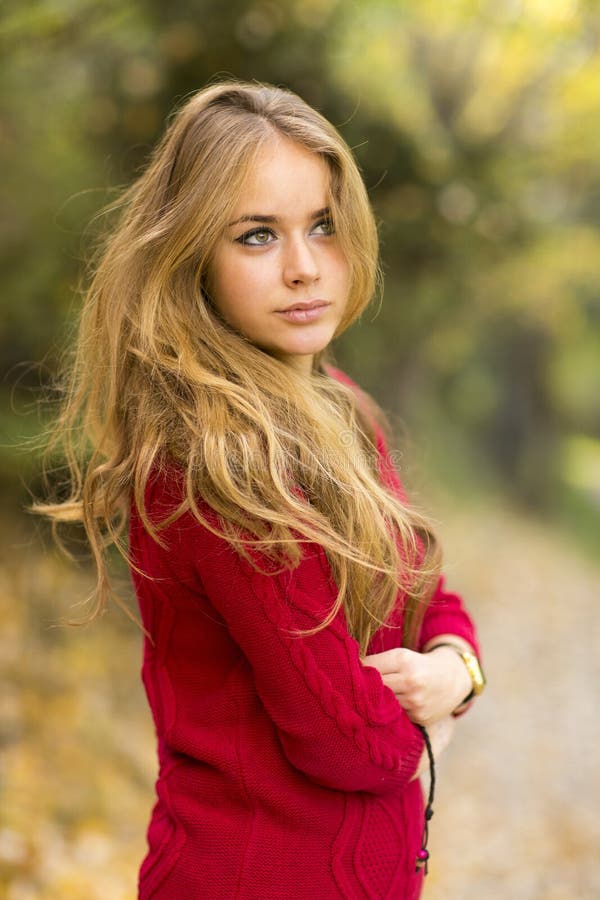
423,854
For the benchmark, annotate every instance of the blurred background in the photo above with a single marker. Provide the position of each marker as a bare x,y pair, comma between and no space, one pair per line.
477,127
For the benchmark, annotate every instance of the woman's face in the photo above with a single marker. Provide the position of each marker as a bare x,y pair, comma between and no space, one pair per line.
278,254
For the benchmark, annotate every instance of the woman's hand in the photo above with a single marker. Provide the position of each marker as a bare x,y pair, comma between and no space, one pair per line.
440,734
429,686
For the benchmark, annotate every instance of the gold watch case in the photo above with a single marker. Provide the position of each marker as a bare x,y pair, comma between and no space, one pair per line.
474,670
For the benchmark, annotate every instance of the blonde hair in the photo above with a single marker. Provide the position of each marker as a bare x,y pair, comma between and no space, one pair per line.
159,378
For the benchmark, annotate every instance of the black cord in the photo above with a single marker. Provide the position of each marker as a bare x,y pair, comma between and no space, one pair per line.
423,854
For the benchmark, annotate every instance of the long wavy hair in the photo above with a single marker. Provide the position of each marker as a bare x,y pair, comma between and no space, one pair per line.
158,378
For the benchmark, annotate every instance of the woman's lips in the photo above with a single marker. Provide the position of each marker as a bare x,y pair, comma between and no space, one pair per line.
303,315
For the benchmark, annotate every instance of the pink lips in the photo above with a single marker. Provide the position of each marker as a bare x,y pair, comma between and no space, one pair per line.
303,312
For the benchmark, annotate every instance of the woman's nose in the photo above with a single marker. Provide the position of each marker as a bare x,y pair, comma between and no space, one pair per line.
300,264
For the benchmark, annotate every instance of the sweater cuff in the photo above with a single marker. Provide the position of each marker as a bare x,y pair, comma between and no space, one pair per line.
446,614
448,624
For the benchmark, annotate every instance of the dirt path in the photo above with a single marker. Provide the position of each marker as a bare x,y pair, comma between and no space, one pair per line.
518,812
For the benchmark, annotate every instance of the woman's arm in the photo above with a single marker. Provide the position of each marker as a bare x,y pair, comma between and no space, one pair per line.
336,720
429,686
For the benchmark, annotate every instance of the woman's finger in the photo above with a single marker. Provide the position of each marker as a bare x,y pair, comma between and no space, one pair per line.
390,661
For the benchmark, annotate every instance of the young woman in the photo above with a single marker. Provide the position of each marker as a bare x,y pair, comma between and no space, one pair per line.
298,635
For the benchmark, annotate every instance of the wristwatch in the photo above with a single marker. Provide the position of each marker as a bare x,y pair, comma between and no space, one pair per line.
474,669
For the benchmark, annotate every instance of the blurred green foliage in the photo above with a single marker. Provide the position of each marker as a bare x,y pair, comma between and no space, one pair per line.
477,126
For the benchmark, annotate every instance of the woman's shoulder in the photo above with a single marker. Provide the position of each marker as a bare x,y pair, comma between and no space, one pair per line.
364,401
383,437
339,375
367,405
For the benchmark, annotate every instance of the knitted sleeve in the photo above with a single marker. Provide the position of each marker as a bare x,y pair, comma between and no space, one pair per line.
336,720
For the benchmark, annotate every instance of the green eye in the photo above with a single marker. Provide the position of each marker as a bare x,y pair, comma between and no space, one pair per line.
325,226
256,238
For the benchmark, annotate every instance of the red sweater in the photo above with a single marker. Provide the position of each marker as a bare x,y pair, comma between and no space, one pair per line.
285,764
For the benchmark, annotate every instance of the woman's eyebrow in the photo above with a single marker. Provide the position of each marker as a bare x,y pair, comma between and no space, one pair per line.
259,217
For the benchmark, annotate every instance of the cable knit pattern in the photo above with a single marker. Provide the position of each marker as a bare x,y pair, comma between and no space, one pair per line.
285,764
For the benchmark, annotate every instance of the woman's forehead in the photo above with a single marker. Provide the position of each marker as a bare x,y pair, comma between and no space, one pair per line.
283,174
